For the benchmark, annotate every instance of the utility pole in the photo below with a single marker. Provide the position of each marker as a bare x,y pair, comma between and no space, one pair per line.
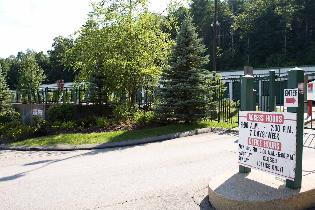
214,50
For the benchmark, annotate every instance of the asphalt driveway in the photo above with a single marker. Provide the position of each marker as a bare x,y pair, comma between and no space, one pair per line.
166,175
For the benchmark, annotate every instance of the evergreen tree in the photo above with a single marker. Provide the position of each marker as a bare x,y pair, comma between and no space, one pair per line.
7,113
4,94
184,87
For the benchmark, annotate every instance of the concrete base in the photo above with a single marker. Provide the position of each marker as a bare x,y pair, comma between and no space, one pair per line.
259,190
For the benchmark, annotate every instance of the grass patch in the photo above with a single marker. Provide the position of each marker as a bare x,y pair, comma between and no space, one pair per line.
115,136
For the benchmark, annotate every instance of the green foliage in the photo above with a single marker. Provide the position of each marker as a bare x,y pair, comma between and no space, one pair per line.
87,122
184,86
5,95
59,70
102,122
124,112
120,49
61,113
126,45
7,113
267,23
9,116
144,117
68,125
176,15
214,94
203,16
116,136
15,131
31,75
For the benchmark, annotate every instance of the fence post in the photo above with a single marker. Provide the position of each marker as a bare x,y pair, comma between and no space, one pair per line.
296,80
260,95
79,95
46,95
272,89
254,98
231,90
247,103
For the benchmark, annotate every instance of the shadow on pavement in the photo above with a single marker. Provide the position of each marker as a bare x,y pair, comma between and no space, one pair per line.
47,163
9,178
37,162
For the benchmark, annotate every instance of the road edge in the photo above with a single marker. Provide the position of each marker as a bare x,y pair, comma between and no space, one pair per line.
125,143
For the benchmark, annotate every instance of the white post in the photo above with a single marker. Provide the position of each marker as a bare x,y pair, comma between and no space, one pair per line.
260,93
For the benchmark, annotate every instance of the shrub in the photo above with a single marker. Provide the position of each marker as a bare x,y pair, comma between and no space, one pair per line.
9,116
61,113
124,112
69,125
39,125
66,96
49,96
102,122
14,132
86,122
143,117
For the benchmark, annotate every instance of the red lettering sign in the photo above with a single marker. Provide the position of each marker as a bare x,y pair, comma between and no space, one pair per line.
265,118
264,144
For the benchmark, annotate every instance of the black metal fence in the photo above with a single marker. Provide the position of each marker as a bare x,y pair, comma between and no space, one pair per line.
262,88
222,108
144,98
224,104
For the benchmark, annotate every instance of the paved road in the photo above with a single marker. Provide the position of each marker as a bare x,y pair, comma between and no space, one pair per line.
167,175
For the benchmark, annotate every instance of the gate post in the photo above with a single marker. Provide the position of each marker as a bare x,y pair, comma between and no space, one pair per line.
272,95
247,104
296,80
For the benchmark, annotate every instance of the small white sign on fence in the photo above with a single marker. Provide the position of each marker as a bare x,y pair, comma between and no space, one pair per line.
37,112
267,141
291,97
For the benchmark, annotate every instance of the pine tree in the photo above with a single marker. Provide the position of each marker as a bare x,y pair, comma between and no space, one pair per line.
183,92
7,113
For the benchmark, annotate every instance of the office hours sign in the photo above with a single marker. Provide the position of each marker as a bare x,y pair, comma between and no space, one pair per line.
267,142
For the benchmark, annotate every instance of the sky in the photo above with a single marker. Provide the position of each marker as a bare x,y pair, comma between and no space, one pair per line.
33,24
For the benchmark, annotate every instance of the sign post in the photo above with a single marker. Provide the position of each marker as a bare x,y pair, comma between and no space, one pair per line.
273,141
247,104
268,142
296,78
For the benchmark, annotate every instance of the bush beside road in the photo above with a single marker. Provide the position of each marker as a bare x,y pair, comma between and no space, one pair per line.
117,136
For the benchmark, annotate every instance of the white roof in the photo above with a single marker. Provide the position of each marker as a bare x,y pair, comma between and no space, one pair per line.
237,73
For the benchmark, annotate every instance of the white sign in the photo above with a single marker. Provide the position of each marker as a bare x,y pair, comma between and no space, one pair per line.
291,97
311,91
37,112
267,141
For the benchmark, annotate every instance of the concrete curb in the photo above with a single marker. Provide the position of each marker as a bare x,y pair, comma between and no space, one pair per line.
125,143
257,191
